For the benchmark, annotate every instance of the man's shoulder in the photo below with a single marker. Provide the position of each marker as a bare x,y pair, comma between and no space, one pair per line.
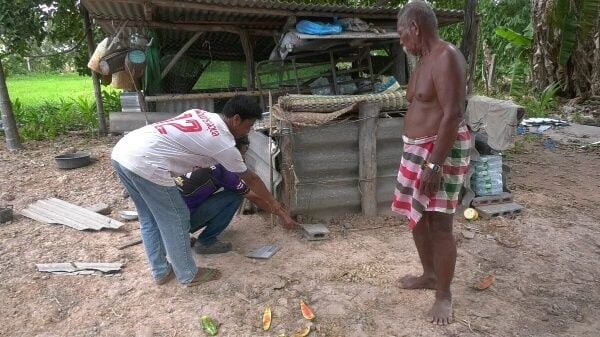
448,50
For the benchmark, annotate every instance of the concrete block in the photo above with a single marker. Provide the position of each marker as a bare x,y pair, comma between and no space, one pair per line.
508,210
503,198
313,232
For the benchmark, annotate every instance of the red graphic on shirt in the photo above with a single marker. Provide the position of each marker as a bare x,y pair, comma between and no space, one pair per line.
183,123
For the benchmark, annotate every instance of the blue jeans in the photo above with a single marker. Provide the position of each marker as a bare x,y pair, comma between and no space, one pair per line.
214,215
164,224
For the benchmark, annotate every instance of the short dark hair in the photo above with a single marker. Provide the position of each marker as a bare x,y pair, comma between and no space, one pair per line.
244,106
419,11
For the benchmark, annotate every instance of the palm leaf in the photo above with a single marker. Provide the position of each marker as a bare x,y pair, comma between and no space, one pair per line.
514,38
568,38
589,13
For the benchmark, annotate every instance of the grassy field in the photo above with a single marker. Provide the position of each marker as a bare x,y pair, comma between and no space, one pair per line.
39,88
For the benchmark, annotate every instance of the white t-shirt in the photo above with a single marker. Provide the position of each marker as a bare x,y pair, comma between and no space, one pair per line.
162,150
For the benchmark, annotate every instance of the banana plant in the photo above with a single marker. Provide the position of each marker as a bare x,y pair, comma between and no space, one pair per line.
521,45
575,20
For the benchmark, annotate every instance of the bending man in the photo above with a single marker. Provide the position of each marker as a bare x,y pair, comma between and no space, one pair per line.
213,195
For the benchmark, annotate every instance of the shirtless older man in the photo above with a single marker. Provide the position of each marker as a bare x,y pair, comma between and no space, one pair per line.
436,153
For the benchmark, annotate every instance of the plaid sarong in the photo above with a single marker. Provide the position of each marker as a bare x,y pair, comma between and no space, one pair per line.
407,199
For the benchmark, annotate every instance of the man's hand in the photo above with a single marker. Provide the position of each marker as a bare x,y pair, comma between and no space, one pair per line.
430,182
287,220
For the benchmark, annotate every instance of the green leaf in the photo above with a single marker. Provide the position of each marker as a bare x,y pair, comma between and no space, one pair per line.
519,76
588,14
560,10
568,38
515,39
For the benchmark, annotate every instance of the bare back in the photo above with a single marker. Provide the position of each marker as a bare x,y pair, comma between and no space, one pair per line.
436,87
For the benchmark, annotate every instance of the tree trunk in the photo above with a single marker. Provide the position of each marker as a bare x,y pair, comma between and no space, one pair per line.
97,91
579,76
8,118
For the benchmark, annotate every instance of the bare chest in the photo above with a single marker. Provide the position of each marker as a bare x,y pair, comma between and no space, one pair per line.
420,86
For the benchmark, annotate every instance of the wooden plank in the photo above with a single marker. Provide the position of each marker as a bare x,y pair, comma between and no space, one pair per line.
367,156
180,53
132,243
287,164
162,98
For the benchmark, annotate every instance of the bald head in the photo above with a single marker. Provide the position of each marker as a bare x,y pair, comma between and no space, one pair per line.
421,13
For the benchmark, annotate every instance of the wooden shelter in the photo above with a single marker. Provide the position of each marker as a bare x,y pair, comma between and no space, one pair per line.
316,170
228,30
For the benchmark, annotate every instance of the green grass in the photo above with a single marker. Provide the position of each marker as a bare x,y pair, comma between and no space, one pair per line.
40,88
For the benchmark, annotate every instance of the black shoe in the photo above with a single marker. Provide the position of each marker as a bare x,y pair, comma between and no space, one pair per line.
217,247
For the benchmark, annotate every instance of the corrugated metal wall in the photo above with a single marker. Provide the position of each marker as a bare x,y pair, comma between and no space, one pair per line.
326,167
179,106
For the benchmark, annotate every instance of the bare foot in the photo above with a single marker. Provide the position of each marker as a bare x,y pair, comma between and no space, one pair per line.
441,312
418,282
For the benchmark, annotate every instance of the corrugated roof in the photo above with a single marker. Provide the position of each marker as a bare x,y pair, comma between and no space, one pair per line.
176,20
193,10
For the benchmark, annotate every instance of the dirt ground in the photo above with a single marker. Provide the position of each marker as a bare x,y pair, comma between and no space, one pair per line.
546,262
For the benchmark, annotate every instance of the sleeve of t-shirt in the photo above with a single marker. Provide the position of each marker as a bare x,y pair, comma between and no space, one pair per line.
231,159
229,180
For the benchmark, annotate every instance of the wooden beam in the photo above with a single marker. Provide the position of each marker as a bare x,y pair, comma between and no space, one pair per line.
249,52
250,10
180,97
190,27
89,36
180,53
368,114
149,11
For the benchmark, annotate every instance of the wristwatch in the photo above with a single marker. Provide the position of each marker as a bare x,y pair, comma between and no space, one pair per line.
433,167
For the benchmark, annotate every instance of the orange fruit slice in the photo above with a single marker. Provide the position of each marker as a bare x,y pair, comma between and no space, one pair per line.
267,318
306,312
303,333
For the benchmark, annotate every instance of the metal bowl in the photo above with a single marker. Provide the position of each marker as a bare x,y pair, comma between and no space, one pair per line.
72,160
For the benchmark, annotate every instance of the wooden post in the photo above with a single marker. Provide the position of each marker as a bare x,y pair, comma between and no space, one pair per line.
103,130
468,45
399,59
472,60
367,156
470,27
180,53
249,52
287,165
